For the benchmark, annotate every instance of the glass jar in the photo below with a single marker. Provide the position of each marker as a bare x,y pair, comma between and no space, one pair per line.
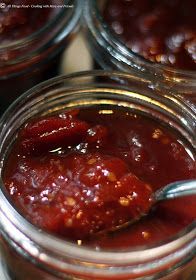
37,57
111,53
28,253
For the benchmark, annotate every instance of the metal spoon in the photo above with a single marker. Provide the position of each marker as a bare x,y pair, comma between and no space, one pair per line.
173,190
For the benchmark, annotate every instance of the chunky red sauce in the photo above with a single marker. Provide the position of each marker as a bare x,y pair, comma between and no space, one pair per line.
161,31
81,173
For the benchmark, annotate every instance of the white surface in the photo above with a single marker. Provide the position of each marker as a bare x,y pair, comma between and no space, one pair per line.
77,57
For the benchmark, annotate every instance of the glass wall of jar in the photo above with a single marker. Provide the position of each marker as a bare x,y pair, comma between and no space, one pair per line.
33,37
111,49
28,252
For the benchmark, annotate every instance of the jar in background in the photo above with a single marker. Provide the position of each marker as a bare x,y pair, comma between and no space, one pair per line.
111,53
26,61
28,253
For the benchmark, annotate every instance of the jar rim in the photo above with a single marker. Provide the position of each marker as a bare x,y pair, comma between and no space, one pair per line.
47,26
63,247
91,8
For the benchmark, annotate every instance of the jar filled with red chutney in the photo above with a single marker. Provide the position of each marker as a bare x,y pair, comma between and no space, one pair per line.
33,36
150,38
80,162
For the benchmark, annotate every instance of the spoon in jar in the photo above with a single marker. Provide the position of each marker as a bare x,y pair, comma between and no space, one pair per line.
173,190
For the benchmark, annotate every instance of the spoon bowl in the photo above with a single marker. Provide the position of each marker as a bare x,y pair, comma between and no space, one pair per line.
175,190
172,190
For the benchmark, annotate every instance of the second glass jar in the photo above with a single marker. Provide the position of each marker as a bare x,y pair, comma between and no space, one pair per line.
111,53
27,61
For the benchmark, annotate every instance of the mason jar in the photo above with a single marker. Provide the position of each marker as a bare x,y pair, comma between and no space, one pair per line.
109,52
28,60
30,253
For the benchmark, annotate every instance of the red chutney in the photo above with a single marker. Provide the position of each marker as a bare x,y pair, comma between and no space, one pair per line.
161,31
80,173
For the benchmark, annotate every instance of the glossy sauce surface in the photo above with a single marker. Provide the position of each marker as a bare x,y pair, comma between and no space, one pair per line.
80,173
160,31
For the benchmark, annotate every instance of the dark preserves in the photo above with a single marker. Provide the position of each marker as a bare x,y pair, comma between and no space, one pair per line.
29,49
160,31
82,173
20,19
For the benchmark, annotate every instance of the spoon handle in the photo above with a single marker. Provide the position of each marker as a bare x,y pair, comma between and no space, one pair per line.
176,189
